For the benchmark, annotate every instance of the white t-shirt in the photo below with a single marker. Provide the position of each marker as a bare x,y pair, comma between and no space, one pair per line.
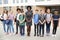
5,16
18,16
48,17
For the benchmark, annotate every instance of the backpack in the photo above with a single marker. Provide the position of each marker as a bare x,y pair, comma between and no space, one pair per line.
2,17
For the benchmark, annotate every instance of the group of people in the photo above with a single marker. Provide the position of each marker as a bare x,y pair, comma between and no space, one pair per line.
40,19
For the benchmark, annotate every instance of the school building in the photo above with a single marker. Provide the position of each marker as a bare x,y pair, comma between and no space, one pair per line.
36,4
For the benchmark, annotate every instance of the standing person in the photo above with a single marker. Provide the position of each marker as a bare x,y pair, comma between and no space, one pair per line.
29,15
11,19
22,23
42,23
55,18
5,21
17,19
48,21
36,23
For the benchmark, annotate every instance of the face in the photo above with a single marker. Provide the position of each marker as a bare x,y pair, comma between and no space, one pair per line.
36,11
29,9
42,12
56,12
18,11
48,10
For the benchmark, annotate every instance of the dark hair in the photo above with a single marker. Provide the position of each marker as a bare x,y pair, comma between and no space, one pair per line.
47,9
6,11
18,9
29,7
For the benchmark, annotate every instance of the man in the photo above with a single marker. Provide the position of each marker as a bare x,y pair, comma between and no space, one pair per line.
55,18
36,23
22,23
17,19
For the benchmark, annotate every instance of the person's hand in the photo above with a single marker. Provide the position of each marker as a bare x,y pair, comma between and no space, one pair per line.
41,23
53,25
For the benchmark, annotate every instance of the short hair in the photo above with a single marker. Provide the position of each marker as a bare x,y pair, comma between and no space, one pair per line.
18,9
29,7
56,10
36,10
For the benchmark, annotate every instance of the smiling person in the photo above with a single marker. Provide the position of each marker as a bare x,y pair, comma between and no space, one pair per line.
17,19
11,19
48,21
36,23
29,15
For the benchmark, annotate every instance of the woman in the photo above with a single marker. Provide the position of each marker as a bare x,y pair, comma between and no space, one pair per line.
29,15
48,21
11,19
5,21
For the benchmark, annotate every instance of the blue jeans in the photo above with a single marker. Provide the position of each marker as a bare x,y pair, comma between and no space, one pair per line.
22,29
48,27
4,26
10,26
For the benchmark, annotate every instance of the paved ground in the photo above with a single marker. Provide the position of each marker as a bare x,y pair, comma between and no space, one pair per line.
3,36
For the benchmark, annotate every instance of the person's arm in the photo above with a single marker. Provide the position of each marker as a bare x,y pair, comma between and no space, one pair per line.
52,22
59,22
23,20
40,21
44,21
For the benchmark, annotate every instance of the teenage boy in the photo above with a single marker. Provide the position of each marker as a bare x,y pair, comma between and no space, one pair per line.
17,19
55,18
36,23
22,23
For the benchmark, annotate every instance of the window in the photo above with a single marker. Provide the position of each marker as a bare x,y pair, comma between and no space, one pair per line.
7,8
5,1
21,1
26,0
17,1
39,0
13,1
0,1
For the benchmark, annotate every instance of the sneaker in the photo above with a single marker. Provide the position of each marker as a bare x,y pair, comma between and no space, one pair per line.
53,35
